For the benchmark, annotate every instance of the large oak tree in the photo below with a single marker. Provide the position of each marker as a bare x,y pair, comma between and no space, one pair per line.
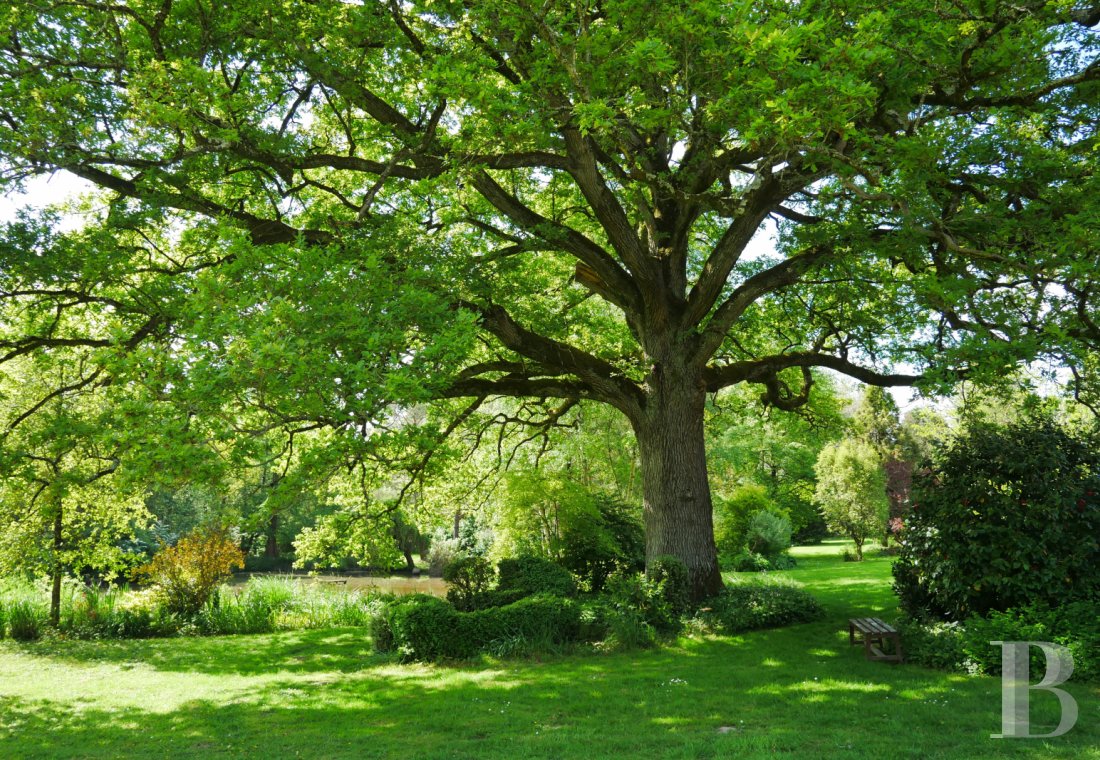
324,207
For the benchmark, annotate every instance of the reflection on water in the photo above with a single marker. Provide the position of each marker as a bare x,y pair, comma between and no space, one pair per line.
397,584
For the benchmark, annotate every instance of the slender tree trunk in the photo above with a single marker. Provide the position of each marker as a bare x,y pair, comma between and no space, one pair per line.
55,590
678,513
271,548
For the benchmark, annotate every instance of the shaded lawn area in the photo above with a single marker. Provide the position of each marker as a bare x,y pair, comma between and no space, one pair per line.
795,692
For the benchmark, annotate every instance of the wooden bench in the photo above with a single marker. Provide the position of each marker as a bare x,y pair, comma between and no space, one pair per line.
333,581
874,635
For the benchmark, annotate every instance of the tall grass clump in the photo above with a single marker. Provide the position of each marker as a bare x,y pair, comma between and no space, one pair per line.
26,619
23,610
266,604
92,613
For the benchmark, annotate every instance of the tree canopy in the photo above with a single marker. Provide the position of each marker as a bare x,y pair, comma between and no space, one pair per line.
312,212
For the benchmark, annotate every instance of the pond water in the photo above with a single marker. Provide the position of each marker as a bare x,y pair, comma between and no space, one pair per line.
396,584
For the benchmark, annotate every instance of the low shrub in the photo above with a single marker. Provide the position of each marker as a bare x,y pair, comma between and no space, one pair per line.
420,627
934,644
594,618
628,629
26,619
535,575
145,621
1075,625
673,581
117,614
965,646
426,628
377,611
499,597
745,606
749,562
637,594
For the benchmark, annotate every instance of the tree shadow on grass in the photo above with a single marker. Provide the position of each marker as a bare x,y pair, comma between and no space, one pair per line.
665,703
327,650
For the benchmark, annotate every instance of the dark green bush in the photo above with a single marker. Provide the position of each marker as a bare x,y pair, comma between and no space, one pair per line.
637,594
1075,625
534,575
500,597
933,644
535,618
594,614
673,581
378,611
470,577
732,516
965,646
426,628
746,606
748,562
598,542
429,629
1009,517
382,612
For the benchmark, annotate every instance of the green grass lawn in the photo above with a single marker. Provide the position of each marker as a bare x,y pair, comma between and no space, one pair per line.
794,692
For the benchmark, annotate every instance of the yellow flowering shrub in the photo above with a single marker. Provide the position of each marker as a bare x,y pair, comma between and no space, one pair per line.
185,576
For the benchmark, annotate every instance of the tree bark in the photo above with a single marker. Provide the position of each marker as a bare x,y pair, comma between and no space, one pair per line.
271,548
678,513
55,590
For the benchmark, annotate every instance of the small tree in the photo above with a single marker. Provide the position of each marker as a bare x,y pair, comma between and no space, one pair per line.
733,515
851,490
768,534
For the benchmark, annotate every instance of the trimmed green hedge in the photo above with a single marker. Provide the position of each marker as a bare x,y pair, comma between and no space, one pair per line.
534,575
426,628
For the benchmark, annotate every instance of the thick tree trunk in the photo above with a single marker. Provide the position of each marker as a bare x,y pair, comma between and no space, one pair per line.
678,514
